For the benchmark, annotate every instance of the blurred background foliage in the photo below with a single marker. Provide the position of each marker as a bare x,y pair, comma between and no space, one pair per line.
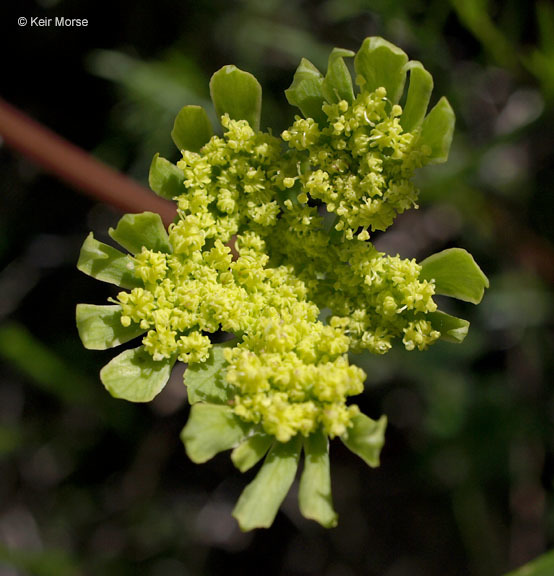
91,485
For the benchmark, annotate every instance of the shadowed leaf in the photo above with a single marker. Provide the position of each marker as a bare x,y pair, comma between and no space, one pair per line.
366,438
452,329
165,179
337,84
107,264
306,91
192,128
211,429
251,451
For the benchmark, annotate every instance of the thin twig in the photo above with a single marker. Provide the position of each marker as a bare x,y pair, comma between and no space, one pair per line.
77,167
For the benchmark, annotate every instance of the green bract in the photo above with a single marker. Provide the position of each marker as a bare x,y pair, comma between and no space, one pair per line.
299,210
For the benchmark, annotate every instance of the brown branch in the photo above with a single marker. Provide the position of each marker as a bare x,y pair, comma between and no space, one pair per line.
76,167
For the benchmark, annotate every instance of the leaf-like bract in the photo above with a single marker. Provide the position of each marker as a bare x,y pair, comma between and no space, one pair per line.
205,380
211,429
306,91
379,63
337,84
107,264
100,327
456,274
437,131
165,179
314,494
192,128
135,376
251,451
134,231
419,94
237,93
452,329
366,438
260,500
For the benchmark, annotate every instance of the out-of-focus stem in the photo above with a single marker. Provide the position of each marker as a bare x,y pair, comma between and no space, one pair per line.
77,167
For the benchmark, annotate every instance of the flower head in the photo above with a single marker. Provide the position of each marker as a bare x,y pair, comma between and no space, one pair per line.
300,209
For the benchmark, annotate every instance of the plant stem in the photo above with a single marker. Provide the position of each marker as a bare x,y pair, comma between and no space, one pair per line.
77,167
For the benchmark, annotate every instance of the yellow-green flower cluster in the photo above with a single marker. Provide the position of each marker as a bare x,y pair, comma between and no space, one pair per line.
292,375
271,245
359,163
290,372
373,297
230,181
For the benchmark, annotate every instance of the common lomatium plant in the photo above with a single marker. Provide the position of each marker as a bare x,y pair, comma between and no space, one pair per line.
272,246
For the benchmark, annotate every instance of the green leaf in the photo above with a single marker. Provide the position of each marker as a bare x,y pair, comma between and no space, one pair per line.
541,566
137,230
107,264
437,131
44,562
192,128
211,429
314,494
238,94
165,178
251,451
452,329
306,91
419,94
205,381
456,274
337,84
366,438
379,63
135,376
100,327
260,500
